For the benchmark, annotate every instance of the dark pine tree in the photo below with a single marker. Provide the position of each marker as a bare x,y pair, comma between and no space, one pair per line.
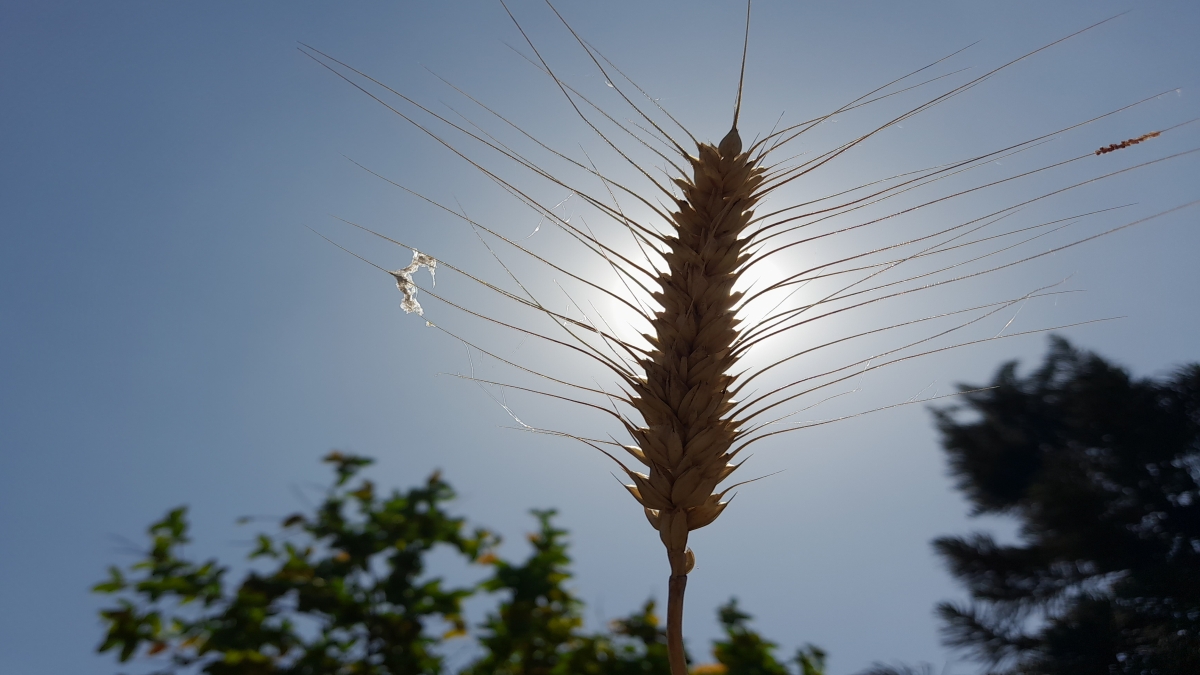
1101,470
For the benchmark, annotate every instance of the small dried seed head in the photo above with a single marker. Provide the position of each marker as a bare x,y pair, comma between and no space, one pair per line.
1126,143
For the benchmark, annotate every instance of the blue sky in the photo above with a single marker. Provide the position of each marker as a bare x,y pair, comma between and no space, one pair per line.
173,334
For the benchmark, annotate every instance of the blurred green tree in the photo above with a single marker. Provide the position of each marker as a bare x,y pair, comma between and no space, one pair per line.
1101,470
345,591
323,608
745,652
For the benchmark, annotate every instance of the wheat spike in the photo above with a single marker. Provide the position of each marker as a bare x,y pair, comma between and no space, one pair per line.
686,392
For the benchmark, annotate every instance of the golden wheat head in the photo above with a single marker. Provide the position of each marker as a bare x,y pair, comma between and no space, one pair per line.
686,393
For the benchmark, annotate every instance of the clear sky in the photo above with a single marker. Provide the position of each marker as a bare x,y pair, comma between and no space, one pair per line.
173,334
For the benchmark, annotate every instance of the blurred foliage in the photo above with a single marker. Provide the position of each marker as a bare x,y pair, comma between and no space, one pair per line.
745,652
1101,470
345,591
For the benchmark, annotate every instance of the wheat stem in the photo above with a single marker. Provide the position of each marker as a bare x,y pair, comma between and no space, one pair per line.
675,653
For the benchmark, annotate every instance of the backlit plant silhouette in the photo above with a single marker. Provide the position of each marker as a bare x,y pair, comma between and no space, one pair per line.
683,259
